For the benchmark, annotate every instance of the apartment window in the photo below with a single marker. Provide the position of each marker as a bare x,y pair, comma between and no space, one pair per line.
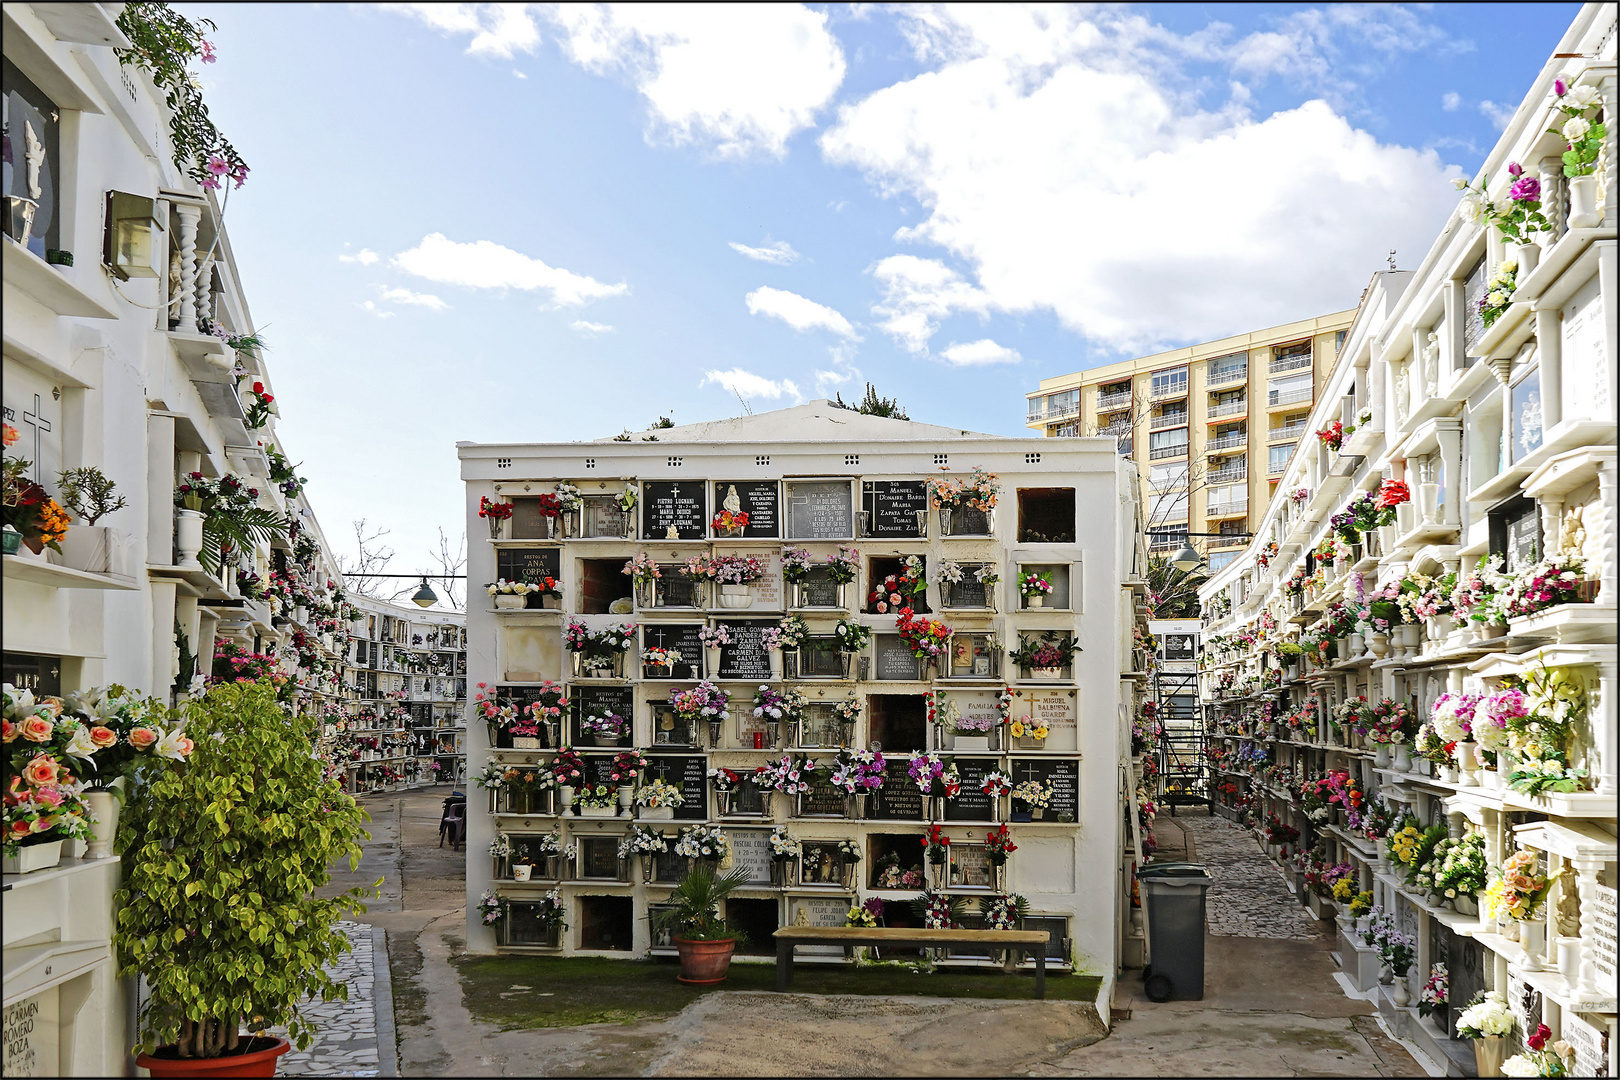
1066,431
1225,368
1291,357
1167,444
1338,342
1277,458
27,110
1169,507
1289,389
1218,559
1163,477
1061,404
1173,381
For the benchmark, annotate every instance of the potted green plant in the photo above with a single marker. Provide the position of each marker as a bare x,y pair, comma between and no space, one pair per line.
89,495
703,939
218,911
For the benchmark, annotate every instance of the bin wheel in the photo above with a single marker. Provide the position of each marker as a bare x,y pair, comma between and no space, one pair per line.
1158,988
1147,970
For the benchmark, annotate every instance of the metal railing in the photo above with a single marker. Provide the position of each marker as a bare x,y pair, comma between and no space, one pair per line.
1168,420
1159,453
1174,388
1221,376
1290,363
1288,397
1235,540
1225,442
1035,413
1113,401
1286,431
1115,430
1229,476
1230,506
1228,408
1276,467
1054,411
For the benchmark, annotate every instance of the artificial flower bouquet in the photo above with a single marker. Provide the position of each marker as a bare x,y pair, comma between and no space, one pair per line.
604,724
705,701
1517,891
978,492
1032,584
702,842
1541,1058
641,840
659,794
1487,1015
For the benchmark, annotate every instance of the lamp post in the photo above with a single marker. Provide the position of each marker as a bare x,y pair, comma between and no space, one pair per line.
1187,559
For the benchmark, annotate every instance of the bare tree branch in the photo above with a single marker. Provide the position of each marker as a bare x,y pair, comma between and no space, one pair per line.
373,558
451,566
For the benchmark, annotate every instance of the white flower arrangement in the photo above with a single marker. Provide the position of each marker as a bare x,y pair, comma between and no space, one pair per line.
659,794
643,841
1034,793
948,571
567,496
702,842
1488,1016
784,846
510,588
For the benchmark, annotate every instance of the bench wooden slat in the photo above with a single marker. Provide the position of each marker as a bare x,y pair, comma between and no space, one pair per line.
904,936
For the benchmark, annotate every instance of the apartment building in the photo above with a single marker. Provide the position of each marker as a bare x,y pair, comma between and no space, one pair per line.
1211,426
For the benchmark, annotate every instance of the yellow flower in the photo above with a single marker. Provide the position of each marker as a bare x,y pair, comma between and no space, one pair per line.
1018,729
1040,732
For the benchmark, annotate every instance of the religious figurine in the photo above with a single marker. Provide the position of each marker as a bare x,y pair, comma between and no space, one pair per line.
731,501
802,919
824,868
1568,910
1572,536
672,533
1431,362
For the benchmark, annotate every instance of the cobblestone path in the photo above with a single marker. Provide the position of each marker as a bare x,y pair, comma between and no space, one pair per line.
1250,897
346,1043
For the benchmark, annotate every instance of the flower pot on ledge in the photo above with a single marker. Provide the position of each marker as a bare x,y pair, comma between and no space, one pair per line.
736,596
258,1060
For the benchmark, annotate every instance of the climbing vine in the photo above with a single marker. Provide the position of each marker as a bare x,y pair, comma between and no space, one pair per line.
164,43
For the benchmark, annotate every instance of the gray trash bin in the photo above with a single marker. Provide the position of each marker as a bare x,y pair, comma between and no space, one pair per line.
1174,895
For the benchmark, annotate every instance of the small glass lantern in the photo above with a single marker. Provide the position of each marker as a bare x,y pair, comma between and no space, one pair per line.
133,248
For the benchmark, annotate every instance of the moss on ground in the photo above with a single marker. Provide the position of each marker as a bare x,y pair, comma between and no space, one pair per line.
518,992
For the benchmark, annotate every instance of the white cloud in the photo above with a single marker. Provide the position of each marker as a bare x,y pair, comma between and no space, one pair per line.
1332,49
484,264
918,293
740,77
498,30
1054,162
798,312
592,328
406,296
365,257
746,384
1450,100
983,351
372,309
842,373
1498,115
780,253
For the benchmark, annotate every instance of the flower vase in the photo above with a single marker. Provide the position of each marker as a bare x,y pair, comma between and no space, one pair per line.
1440,627
649,863
714,734
1354,646
1046,673
1034,601
103,803
1489,1053
510,601
1401,993
565,795
1381,756
1533,937
776,664
13,540
1378,643
32,857
1403,758
627,794
1509,927
1569,959
1467,765
711,661
188,537
1584,212
1465,904
521,872
736,596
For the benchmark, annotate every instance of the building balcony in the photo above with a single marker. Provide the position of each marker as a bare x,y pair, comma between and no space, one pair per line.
1289,363
1228,442
1058,412
1276,398
1222,376
1286,432
1118,400
1226,408
1162,453
1168,420
1118,431
1035,414
1229,475
1228,508
1276,468
1170,391
1225,542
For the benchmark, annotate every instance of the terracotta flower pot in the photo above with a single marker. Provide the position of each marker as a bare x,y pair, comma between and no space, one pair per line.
704,963
260,1060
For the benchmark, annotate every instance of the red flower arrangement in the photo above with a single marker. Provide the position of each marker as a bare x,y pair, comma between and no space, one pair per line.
1392,493
998,843
495,511
1332,435
937,845
725,520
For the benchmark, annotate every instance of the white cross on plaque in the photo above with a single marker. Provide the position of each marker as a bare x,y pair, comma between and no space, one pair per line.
40,426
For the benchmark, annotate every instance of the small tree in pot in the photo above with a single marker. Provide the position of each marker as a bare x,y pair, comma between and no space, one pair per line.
703,939
222,860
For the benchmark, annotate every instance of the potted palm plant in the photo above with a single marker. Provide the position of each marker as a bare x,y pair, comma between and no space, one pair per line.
703,939
218,911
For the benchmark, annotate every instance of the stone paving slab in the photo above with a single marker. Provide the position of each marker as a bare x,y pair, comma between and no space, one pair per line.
346,1042
1250,897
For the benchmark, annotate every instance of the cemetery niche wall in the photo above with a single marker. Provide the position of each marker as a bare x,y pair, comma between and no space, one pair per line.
719,722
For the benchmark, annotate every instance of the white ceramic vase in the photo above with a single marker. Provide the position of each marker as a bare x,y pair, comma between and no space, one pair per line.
104,822
1584,212
188,537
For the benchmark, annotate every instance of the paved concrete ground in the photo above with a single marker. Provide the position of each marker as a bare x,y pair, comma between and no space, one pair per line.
1271,1006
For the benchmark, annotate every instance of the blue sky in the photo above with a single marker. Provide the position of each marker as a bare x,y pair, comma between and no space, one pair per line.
518,222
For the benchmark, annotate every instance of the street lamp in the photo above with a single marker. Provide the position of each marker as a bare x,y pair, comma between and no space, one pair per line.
426,597
1187,560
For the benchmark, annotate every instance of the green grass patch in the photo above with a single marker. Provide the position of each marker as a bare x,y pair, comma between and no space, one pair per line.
553,991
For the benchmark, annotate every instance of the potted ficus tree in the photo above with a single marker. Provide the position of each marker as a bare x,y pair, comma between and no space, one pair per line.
218,910
703,939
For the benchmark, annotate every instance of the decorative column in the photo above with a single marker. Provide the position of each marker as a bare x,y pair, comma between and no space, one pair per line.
1550,347
1552,195
1601,720
1587,871
1451,346
189,216
205,288
1608,516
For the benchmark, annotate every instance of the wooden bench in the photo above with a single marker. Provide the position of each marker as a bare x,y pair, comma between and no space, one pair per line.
789,936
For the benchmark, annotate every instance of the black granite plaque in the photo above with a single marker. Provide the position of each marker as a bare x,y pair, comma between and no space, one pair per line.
615,699
745,659
761,501
822,800
898,799
677,504
690,774
972,804
892,505
818,590
683,637
533,564
819,510
1062,774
